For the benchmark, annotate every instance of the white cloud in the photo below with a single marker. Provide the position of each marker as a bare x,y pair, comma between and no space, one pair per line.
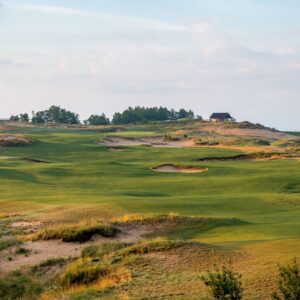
124,20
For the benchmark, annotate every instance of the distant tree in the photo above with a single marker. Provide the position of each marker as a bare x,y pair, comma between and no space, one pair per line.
182,114
147,114
24,117
97,120
117,119
55,114
39,117
15,118
289,282
224,284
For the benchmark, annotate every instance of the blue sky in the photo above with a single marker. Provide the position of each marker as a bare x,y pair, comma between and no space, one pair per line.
95,56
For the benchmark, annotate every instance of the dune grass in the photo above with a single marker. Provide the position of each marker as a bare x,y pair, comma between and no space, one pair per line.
68,234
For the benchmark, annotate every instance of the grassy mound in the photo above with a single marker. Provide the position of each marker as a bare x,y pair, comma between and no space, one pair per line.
101,260
79,234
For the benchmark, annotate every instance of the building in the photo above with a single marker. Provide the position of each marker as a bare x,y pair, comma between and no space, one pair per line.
221,117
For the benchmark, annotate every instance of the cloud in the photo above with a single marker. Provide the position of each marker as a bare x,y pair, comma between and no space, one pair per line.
124,20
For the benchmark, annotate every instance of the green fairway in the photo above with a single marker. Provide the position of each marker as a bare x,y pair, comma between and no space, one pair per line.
77,171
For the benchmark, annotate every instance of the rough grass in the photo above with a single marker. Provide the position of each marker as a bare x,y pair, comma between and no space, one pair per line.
91,268
86,182
8,243
48,264
19,286
70,234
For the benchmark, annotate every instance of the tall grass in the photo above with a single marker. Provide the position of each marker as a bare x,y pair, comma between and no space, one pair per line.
80,233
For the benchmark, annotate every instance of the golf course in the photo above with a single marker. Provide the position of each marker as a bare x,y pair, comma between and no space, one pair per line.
143,211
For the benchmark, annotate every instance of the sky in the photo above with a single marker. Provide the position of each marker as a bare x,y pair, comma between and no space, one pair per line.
101,56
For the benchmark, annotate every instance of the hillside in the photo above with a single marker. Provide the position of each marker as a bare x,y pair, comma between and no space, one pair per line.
142,211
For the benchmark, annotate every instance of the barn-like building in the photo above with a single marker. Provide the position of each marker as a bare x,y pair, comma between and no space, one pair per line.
221,117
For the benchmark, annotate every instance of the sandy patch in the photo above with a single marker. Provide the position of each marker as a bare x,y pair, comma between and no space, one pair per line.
178,169
226,130
14,140
41,251
115,149
26,224
153,142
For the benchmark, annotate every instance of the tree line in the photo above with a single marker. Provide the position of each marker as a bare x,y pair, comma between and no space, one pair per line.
138,114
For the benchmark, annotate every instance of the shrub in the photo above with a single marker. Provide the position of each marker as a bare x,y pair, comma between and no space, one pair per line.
224,285
289,282
23,251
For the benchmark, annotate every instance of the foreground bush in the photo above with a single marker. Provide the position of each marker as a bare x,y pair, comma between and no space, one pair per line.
289,282
224,285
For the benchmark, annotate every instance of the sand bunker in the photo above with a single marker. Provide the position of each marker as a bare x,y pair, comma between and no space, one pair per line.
24,224
260,156
153,142
41,251
14,140
168,168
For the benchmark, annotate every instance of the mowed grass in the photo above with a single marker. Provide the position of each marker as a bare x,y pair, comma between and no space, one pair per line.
80,173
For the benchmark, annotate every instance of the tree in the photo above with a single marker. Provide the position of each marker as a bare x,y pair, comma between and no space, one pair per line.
148,114
225,284
117,119
98,120
15,118
288,282
24,117
39,117
55,114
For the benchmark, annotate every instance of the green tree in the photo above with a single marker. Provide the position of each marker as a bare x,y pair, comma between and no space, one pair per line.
224,284
97,120
288,282
15,118
24,117
55,114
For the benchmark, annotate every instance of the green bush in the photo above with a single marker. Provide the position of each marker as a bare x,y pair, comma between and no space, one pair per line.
224,285
289,282
23,251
